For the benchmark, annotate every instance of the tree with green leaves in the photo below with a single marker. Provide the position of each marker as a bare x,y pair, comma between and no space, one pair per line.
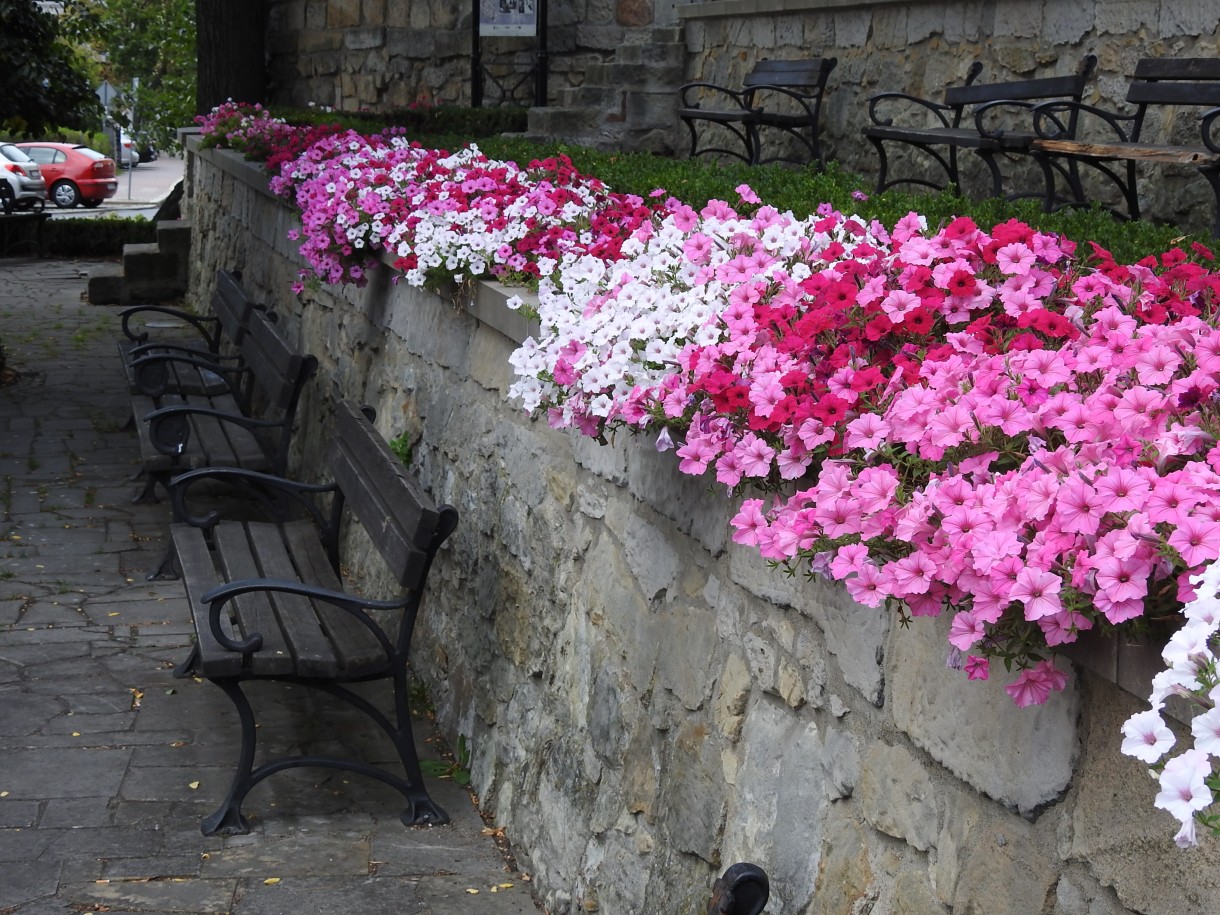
152,41
43,82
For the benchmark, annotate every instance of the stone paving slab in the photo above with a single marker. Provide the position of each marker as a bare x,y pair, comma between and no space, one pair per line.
107,763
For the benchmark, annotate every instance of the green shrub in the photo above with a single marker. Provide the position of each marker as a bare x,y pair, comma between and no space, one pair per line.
101,237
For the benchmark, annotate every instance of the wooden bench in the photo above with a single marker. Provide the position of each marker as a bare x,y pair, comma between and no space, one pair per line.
268,602
1164,87
248,424
993,119
785,95
205,362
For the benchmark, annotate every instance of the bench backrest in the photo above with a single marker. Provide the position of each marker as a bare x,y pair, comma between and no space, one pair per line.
808,76
1045,87
1192,82
231,305
400,518
276,373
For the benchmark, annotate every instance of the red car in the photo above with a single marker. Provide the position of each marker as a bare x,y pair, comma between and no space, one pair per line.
74,174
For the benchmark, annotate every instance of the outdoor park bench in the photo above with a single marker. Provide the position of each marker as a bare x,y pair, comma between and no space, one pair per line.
1159,92
269,605
200,364
247,424
993,119
784,95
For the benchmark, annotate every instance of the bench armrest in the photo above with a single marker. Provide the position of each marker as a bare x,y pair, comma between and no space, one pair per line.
1057,119
207,326
150,371
805,99
688,95
1207,124
993,119
905,101
349,603
275,494
170,430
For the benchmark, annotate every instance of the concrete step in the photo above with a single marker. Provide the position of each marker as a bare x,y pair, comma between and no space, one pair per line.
150,274
174,237
106,284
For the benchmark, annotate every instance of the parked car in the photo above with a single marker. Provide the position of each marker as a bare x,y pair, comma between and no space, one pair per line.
21,183
75,175
127,155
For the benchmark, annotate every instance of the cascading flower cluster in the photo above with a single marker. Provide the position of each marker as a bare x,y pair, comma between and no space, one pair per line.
247,128
439,215
1188,779
950,420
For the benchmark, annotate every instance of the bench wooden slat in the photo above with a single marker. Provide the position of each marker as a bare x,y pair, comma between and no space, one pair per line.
1148,152
313,655
367,472
199,576
1159,68
358,653
989,118
255,613
1202,95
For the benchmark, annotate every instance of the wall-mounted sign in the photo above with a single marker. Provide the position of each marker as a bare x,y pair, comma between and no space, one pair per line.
508,17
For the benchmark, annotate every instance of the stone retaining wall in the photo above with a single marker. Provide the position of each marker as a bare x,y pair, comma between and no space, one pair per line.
646,702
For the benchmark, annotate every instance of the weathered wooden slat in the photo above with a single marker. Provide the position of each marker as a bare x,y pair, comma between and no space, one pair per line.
359,653
1145,152
254,613
199,576
312,652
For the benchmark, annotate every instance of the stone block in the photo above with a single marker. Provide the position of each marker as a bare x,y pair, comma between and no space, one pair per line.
845,872
778,795
966,23
1018,19
364,39
150,274
1129,845
896,795
1187,17
852,28
1067,23
924,21
1023,758
1123,17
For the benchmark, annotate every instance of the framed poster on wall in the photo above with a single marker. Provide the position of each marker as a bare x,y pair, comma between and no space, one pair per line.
508,17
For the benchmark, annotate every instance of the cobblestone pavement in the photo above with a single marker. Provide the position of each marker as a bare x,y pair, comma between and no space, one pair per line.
107,763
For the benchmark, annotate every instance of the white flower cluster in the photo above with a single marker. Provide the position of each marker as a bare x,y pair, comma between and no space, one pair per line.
612,332
1192,674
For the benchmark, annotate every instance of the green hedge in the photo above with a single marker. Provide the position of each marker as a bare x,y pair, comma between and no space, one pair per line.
101,237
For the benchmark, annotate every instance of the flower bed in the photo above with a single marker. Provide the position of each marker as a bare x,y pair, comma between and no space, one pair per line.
994,422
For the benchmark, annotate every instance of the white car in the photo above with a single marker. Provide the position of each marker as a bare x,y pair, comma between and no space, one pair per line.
21,183
126,154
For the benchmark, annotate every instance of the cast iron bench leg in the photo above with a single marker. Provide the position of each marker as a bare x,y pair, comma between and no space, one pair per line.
228,819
